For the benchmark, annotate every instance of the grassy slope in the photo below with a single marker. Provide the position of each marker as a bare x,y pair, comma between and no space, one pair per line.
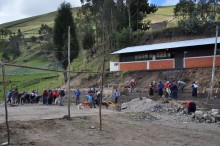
163,14
30,27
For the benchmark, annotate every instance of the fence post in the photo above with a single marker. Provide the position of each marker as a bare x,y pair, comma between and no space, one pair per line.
6,109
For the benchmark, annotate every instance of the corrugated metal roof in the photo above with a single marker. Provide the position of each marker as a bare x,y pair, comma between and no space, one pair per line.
169,45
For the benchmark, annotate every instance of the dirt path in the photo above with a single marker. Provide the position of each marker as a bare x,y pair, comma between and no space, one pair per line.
38,111
43,125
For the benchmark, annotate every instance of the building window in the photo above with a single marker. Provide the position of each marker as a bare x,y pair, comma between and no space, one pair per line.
161,54
143,56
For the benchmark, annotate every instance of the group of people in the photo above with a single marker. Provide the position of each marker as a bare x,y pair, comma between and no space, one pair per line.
171,88
93,96
56,96
15,97
48,97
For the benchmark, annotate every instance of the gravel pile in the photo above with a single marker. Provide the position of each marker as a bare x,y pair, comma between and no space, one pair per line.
146,109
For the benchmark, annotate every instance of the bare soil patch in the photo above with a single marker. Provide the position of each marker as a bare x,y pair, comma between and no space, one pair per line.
119,128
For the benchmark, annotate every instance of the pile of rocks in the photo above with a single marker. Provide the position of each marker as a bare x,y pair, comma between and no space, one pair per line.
211,116
147,108
148,105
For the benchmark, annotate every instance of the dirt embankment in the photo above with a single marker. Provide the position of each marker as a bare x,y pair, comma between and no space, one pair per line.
202,76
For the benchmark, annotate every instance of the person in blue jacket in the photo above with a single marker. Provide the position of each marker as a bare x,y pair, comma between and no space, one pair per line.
91,100
77,94
160,88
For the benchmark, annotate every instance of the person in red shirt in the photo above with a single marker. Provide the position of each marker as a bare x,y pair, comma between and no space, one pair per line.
132,84
55,94
167,89
191,107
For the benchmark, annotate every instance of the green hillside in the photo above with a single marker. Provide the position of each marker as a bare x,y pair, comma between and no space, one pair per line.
30,26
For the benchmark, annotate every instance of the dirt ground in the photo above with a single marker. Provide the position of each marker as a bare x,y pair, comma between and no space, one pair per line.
44,125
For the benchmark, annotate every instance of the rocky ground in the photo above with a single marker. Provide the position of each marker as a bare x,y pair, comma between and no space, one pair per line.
141,122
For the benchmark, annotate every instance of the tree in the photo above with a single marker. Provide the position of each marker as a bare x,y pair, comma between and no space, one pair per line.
184,9
194,14
111,16
139,9
202,9
46,34
63,20
88,39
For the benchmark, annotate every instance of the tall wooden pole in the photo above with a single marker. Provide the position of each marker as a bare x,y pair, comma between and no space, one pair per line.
100,103
69,72
6,109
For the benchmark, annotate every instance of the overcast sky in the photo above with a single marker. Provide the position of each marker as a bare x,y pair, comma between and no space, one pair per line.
11,10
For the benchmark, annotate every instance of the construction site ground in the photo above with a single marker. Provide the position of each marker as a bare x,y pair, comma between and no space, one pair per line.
43,125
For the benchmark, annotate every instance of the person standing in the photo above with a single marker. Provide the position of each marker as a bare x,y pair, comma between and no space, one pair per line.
14,96
77,94
174,90
55,95
32,96
132,84
9,96
50,97
151,93
194,89
61,97
45,94
98,96
181,85
160,88
167,89
116,95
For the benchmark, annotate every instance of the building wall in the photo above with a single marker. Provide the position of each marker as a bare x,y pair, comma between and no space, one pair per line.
161,64
142,65
207,61
114,66
145,65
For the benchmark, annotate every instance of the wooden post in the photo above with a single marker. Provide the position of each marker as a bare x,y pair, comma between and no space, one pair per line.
6,109
69,72
100,104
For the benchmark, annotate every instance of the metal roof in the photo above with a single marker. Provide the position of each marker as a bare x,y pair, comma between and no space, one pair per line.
169,45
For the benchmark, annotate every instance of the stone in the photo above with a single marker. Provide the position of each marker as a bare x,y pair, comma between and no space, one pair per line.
215,111
208,121
92,127
193,115
205,116
123,107
213,119
199,114
153,110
